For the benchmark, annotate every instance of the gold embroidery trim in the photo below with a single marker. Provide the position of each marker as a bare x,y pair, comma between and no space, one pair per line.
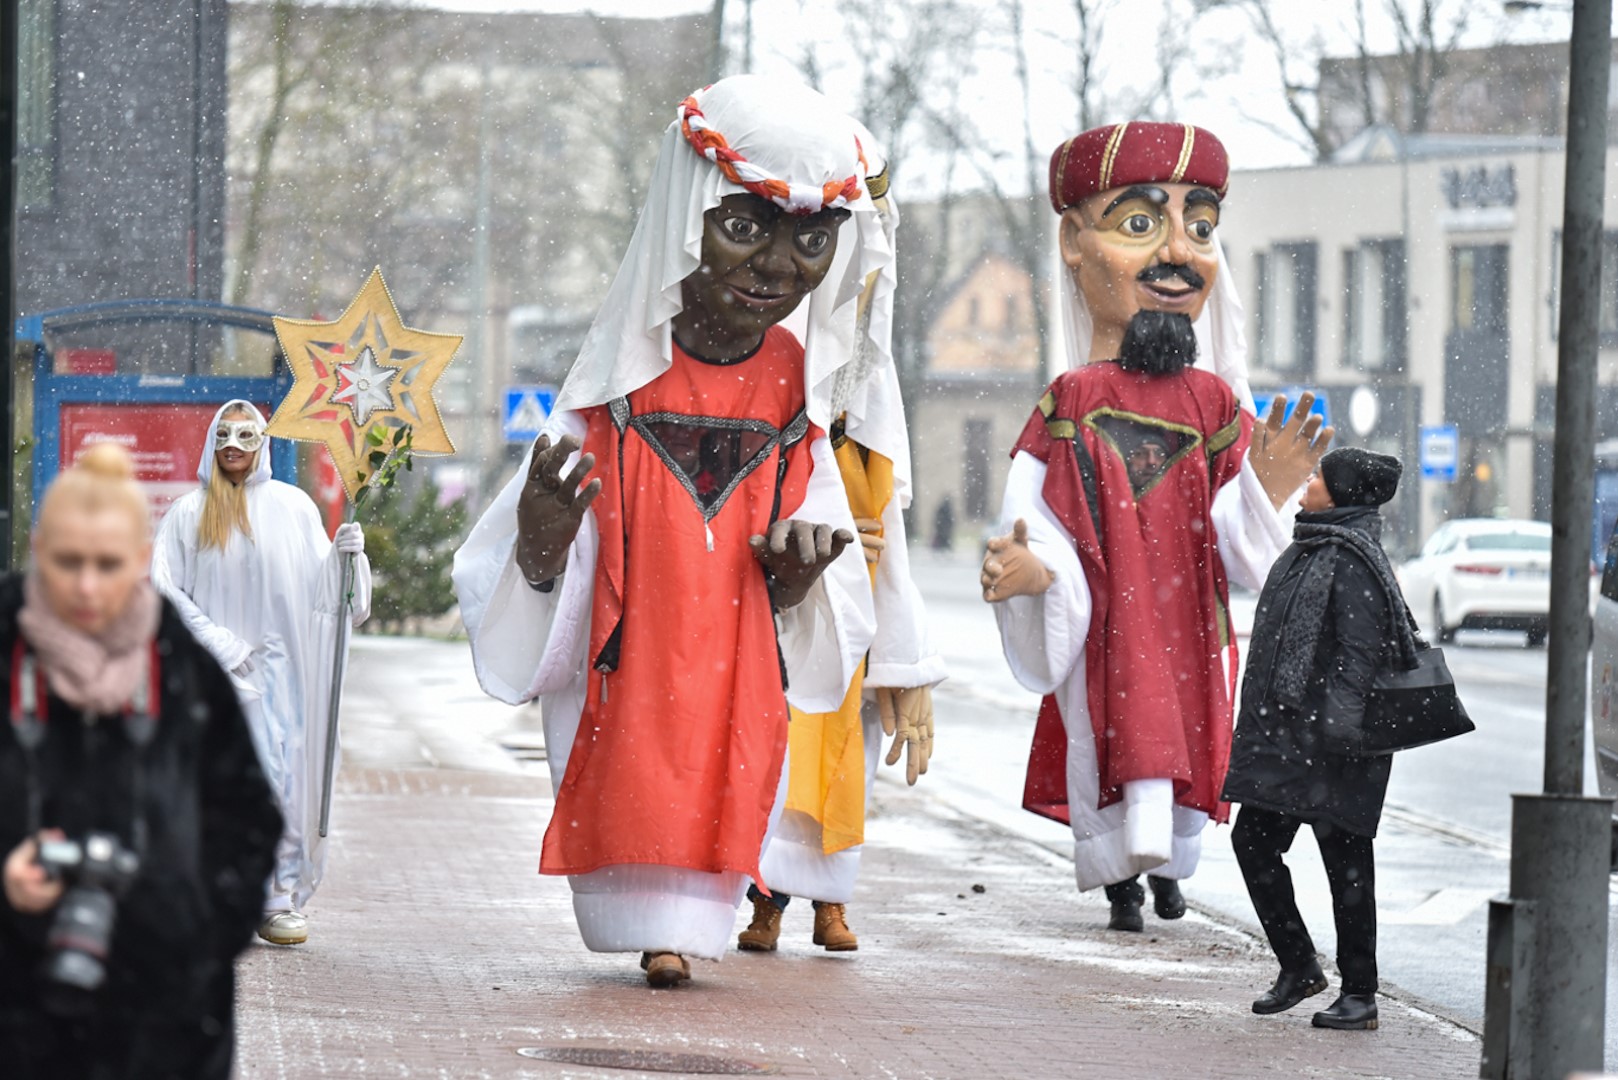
1061,171
1225,437
1185,154
1111,154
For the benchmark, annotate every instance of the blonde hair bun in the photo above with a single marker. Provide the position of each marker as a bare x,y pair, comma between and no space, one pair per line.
108,461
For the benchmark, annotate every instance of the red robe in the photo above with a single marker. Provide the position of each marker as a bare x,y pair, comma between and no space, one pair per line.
1133,462
680,745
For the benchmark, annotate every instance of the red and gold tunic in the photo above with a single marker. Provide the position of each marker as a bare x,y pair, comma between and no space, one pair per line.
1132,465
679,748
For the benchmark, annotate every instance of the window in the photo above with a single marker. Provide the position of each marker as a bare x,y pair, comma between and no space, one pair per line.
1286,308
1374,311
36,103
1609,287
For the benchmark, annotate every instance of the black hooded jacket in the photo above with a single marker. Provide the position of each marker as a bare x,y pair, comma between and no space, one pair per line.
1280,759
212,827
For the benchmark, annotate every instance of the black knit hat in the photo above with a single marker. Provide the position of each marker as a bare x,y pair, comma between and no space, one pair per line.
1356,477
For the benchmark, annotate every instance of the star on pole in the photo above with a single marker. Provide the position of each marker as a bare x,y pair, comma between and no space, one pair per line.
363,371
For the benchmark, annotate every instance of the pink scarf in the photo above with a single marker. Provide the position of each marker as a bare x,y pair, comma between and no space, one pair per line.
97,672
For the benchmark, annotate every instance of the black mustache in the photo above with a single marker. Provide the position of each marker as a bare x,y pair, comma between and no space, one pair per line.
1160,271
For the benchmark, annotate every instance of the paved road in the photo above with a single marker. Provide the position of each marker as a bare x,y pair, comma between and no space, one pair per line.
1444,847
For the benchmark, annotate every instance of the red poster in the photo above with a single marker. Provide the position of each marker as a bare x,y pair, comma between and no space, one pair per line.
165,440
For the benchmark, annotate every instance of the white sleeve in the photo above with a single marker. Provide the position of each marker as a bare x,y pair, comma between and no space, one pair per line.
173,555
1043,636
825,637
901,655
330,594
525,642
1251,532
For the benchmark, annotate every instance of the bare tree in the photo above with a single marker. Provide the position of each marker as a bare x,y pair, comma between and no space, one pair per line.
1398,89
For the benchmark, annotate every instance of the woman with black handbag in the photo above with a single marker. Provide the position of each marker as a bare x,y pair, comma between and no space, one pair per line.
1329,620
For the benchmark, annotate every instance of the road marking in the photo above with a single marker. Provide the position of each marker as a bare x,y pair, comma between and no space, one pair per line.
1446,907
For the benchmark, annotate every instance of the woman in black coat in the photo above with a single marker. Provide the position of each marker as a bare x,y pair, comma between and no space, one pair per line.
1329,619
87,649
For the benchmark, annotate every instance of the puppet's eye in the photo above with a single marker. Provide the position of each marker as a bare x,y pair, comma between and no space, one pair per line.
742,229
1139,224
1201,230
814,241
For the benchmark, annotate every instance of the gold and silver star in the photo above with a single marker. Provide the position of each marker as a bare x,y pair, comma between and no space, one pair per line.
362,371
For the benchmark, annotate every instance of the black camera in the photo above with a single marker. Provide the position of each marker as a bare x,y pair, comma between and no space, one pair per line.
97,871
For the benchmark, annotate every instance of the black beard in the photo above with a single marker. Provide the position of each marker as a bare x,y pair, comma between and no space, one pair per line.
1158,343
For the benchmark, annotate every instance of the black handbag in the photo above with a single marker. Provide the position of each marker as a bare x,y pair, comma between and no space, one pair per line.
1406,709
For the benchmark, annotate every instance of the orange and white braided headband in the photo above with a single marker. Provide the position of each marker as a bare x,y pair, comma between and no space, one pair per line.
794,198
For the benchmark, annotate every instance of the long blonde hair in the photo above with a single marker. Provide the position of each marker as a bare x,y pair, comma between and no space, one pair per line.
224,505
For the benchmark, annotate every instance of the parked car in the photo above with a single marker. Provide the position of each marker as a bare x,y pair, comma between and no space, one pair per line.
1482,574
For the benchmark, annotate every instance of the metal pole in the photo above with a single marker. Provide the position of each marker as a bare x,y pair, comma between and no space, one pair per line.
8,265
1573,477
1556,942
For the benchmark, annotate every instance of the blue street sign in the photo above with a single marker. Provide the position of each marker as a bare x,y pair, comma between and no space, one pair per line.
525,411
1320,408
1440,450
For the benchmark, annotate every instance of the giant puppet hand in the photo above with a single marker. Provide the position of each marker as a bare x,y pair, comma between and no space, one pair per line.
1284,455
551,508
871,541
795,554
907,715
1011,569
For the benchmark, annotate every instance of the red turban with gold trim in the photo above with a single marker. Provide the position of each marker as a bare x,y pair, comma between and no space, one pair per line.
1119,155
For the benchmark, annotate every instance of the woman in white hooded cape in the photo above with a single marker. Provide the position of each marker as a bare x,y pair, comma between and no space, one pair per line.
265,604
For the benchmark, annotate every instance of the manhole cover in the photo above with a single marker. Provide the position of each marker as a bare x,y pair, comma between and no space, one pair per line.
647,1060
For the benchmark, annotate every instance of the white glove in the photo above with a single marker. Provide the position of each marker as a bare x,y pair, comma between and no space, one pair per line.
245,668
349,539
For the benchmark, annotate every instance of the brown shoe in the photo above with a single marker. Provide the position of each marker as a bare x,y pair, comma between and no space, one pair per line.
664,969
831,929
765,929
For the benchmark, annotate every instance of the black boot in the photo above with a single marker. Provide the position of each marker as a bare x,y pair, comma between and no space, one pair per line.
1292,987
1166,898
1127,897
1350,1012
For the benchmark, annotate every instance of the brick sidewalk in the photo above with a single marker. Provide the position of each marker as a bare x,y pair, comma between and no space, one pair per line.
436,951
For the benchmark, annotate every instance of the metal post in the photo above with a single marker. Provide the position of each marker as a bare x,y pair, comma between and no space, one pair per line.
8,266
1573,477
1560,840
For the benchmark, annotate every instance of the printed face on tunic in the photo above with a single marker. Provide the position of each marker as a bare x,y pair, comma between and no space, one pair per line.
1124,247
758,264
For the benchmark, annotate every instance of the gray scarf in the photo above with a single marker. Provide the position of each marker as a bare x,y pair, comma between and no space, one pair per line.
1326,534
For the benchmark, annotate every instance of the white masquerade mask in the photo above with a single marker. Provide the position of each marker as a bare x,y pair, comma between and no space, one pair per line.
244,435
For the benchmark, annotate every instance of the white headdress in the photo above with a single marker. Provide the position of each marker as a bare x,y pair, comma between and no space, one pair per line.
866,391
261,467
783,132
1221,329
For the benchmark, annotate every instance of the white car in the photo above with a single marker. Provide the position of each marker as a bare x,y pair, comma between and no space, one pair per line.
1482,574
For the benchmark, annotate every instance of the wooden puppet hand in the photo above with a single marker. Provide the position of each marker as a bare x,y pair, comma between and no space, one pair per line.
907,715
1284,455
551,508
795,554
871,539
1011,569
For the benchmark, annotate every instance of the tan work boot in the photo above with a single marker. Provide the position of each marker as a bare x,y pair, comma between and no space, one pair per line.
665,969
765,929
831,929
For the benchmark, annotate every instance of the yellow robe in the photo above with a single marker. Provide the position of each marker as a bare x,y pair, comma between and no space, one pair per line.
827,750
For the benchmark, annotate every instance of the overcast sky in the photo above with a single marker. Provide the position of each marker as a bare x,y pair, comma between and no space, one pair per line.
1243,106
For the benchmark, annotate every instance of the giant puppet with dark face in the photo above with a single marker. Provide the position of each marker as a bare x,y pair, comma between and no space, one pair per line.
668,569
1140,486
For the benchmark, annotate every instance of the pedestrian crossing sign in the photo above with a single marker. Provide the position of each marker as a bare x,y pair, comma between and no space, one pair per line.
525,411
